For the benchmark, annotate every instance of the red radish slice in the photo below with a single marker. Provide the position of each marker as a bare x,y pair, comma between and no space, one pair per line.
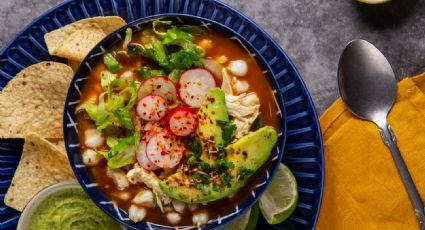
152,108
194,84
160,86
152,128
165,150
182,121
142,158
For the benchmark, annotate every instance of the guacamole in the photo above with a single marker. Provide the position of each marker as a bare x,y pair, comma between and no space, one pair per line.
69,209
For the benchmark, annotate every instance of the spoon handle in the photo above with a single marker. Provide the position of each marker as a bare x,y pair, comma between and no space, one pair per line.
390,140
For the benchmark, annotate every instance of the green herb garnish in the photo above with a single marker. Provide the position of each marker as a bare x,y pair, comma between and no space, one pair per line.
186,58
176,50
157,52
223,165
244,172
145,73
216,187
228,129
175,36
204,167
225,179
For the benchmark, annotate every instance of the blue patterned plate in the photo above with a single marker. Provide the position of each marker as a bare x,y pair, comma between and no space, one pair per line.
303,149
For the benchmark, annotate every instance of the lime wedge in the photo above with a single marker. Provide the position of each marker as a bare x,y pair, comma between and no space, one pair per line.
373,1
280,199
247,221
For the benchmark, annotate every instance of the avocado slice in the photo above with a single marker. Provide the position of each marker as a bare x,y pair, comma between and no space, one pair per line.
212,109
248,153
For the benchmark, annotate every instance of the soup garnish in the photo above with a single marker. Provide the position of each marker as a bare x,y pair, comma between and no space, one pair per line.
173,122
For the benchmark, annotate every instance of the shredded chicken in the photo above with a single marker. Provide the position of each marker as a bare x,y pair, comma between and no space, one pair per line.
140,175
226,85
118,177
244,109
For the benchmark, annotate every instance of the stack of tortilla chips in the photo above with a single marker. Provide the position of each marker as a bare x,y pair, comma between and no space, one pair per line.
74,41
33,103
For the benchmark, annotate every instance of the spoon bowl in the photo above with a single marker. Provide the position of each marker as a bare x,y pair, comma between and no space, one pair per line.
366,81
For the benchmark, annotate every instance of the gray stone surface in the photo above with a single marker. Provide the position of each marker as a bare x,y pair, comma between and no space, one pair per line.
312,32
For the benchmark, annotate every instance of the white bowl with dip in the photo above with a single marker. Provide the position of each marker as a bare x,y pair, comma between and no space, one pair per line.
59,189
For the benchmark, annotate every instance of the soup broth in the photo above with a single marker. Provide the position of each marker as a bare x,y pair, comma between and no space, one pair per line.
221,47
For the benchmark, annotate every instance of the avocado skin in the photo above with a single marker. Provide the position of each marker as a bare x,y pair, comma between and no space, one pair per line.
210,133
251,152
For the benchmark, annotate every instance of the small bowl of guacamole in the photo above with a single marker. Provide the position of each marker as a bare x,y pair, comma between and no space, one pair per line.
64,206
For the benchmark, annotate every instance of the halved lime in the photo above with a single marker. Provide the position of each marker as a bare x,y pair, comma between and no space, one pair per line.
373,1
247,221
280,199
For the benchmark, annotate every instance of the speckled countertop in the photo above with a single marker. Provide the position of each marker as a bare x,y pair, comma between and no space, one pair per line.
312,32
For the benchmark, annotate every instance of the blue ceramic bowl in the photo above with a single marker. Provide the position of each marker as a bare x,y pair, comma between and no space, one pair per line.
71,133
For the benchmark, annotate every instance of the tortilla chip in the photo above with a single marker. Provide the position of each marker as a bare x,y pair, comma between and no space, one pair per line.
79,43
59,144
56,38
74,65
41,165
33,101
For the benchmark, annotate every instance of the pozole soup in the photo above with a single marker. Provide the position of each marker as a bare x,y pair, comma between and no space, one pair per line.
177,124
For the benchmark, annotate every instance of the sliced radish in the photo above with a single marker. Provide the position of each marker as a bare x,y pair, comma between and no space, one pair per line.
165,150
182,121
194,84
152,108
152,128
160,86
142,158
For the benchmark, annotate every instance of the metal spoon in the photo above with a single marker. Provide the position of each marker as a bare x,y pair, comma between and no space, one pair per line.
368,87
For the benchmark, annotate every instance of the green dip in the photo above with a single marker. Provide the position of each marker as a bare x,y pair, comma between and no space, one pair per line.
69,209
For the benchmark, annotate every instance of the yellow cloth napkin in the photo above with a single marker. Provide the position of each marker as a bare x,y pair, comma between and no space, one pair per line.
362,187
